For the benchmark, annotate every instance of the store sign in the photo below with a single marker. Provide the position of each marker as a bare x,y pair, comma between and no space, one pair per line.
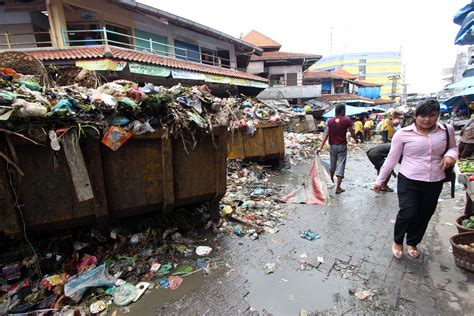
149,70
239,82
216,79
258,84
184,74
102,64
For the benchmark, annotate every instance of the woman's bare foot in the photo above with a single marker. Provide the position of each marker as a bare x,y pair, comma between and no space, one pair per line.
413,251
340,190
397,250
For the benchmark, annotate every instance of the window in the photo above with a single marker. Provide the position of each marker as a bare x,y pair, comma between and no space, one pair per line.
362,70
83,37
291,79
158,42
187,51
208,56
118,39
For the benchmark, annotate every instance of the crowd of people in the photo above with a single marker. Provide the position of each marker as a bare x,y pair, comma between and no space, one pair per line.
426,151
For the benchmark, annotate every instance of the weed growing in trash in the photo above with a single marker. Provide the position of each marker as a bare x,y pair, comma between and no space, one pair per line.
83,267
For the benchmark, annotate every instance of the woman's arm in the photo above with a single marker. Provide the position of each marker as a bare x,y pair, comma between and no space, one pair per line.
453,148
392,158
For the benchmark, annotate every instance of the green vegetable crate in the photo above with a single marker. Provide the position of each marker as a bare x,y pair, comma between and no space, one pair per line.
465,224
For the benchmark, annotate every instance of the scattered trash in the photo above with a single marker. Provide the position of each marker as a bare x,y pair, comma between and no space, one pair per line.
364,294
270,267
155,266
141,288
175,282
238,231
164,283
203,250
75,287
125,294
309,235
97,307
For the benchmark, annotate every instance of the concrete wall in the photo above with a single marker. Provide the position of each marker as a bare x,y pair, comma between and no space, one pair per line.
286,70
256,67
15,22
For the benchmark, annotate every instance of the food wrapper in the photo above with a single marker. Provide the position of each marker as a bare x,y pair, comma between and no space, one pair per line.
116,137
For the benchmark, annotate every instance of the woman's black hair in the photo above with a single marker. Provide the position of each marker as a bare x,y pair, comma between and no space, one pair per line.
339,109
425,107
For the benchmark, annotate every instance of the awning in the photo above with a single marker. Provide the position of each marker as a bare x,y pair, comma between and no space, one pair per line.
465,18
462,98
462,84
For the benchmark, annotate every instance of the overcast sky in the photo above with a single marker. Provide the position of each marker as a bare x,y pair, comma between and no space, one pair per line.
423,29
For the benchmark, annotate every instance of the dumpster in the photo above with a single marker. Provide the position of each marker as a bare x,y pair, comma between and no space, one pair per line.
88,183
265,145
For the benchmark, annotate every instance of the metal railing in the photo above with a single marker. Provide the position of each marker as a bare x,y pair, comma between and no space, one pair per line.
104,36
8,40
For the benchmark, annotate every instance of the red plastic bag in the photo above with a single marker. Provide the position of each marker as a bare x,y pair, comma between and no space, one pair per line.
314,189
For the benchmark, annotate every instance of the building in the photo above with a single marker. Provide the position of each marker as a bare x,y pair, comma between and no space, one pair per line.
383,68
127,39
280,68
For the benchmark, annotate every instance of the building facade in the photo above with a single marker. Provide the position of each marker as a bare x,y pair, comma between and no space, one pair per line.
126,37
384,68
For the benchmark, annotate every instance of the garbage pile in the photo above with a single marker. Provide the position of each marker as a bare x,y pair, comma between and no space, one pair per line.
301,147
251,204
88,271
246,113
120,108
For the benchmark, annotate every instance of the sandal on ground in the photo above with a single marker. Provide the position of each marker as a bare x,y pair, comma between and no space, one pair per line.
340,191
413,252
386,189
397,253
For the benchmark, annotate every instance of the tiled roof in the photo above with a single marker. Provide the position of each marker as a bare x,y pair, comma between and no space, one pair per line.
363,83
383,101
327,75
345,74
94,52
283,56
258,39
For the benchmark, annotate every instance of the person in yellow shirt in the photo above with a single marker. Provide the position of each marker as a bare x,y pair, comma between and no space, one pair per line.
359,129
387,130
368,125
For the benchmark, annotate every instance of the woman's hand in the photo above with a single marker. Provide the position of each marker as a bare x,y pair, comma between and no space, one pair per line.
447,162
377,187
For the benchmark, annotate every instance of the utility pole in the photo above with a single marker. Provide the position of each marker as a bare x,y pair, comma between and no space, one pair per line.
394,79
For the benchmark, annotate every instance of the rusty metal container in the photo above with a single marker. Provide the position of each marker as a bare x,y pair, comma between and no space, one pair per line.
266,144
149,173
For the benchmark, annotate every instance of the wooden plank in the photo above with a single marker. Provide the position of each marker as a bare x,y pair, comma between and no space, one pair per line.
77,167
235,147
221,175
97,176
168,174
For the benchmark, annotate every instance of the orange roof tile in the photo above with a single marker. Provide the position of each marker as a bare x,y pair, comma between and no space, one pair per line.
258,39
345,74
327,75
283,55
92,52
367,84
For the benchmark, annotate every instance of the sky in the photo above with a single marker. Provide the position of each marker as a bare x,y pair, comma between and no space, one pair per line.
422,29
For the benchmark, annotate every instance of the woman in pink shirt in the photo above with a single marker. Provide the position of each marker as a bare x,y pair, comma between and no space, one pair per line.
423,145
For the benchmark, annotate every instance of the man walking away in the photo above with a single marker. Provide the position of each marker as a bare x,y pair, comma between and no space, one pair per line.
336,131
377,156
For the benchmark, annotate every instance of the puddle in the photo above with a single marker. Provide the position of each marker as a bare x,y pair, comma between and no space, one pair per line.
283,293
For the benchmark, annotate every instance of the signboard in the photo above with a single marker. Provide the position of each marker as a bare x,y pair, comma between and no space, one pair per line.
185,74
258,84
239,82
102,64
216,79
149,70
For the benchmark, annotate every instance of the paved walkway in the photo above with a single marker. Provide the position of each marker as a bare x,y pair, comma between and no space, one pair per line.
356,235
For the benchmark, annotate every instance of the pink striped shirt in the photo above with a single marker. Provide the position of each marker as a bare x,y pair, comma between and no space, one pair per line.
422,154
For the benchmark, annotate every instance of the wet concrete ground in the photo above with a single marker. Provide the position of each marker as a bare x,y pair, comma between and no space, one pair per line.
356,235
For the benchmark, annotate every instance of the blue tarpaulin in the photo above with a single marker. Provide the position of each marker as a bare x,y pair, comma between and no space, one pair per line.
369,92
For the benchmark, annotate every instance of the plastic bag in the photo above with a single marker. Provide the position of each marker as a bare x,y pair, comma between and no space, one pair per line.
314,189
75,288
28,109
125,294
140,128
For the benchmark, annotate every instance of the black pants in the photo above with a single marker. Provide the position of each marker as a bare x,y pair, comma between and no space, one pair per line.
417,201
384,136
